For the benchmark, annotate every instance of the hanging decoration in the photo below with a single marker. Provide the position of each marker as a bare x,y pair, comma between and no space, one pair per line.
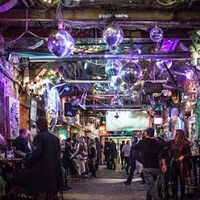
156,34
113,35
116,101
131,73
60,42
113,67
116,84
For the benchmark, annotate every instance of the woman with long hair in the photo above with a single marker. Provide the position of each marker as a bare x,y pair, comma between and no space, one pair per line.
180,153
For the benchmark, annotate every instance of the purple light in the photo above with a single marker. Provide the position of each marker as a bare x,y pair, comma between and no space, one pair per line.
169,45
189,74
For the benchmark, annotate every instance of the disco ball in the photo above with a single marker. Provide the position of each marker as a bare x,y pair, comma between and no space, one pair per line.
156,34
61,43
116,101
116,84
113,67
113,35
131,73
163,64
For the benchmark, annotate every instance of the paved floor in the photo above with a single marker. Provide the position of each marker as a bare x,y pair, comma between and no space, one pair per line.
109,185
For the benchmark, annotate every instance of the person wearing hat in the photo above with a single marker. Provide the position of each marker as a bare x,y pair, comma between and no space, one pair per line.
152,155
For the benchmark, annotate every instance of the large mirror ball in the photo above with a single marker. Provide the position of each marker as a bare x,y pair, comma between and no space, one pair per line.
61,43
113,35
131,73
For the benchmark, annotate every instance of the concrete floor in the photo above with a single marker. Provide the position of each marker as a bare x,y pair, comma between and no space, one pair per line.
109,185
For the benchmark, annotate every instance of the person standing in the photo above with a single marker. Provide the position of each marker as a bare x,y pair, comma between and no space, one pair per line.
151,155
112,154
180,152
66,161
122,154
106,152
126,150
43,167
92,157
133,158
99,147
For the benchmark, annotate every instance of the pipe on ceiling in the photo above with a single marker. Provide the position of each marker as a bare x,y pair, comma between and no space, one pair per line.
87,81
153,56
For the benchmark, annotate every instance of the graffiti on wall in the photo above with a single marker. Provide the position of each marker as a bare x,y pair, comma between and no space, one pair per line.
13,117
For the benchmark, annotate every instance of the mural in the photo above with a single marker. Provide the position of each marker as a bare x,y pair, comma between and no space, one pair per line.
52,105
13,117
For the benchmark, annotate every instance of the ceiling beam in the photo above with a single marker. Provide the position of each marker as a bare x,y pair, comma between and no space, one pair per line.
93,14
153,56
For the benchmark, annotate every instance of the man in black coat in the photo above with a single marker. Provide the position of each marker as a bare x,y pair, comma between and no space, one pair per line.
43,168
21,144
67,161
151,150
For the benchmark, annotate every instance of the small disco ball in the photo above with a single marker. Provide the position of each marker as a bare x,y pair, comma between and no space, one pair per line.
131,73
163,64
116,101
113,67
113,35
61,43
116,84
156,34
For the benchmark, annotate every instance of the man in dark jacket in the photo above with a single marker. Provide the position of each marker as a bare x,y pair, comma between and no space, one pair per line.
99,148
67,161
21,144
43,171
151,156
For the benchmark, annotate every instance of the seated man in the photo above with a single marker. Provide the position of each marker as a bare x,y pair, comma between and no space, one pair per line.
43,170
21,145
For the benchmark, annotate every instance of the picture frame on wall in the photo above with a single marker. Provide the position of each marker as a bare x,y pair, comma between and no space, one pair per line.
13,117
33,111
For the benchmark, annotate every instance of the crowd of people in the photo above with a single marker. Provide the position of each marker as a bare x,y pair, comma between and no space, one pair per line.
163,162
162,165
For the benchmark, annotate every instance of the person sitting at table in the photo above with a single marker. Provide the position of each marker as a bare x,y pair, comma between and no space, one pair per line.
22,148
43,167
